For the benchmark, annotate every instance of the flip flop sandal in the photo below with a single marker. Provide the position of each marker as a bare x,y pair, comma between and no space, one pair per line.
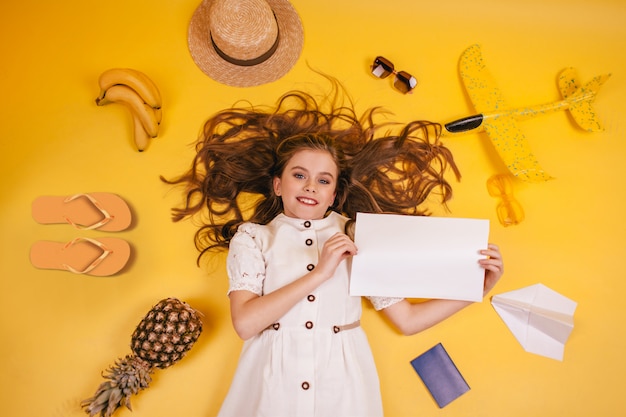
103,211
98,257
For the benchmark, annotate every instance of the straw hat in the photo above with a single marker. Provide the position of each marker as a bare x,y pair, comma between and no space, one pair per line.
243,43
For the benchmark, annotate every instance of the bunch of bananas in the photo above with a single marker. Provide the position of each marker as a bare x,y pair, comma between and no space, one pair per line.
139,94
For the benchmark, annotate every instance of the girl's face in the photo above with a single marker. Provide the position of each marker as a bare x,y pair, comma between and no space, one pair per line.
307,184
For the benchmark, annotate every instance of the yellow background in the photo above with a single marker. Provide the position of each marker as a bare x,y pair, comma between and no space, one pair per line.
59,330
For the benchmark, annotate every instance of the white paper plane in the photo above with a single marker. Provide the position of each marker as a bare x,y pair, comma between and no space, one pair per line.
541,319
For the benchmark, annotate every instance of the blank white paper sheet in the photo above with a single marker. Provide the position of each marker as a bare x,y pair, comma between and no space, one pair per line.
418,257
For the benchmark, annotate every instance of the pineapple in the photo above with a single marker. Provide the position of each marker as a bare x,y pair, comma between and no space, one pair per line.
162,338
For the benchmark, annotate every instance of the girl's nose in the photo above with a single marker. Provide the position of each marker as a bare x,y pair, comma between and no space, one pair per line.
310,187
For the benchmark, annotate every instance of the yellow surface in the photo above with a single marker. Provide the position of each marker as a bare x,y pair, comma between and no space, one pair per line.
59,331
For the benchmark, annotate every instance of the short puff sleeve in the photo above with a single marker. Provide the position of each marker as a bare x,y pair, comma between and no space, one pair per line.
245,263
381,303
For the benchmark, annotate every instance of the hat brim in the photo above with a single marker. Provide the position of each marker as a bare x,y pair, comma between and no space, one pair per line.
203,53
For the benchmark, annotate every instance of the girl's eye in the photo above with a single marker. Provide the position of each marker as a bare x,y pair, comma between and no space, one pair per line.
298,175
324,181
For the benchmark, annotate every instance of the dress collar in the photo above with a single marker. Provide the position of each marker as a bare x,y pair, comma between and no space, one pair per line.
304,224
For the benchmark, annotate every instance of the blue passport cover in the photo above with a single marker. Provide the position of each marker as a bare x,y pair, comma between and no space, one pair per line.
440,375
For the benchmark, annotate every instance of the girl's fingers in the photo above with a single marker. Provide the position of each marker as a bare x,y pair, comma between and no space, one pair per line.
341,242
493,262
493,252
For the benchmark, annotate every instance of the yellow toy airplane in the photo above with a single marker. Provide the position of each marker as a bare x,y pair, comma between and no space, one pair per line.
500,122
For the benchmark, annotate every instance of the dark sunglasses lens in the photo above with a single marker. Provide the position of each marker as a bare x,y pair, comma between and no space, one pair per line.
405,82
382,67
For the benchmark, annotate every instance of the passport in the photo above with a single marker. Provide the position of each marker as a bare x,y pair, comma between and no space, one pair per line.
440,375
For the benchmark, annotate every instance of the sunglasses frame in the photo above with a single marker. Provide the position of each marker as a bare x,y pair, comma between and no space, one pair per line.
404,82
509,210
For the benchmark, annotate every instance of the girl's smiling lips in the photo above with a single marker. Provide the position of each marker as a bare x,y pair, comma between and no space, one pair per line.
307,200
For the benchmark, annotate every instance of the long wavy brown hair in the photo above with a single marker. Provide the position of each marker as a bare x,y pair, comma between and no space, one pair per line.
241,150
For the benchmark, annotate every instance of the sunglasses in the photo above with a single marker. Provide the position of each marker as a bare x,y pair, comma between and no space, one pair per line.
404,82
510,211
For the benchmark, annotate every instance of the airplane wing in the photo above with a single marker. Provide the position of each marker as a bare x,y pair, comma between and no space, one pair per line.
509,141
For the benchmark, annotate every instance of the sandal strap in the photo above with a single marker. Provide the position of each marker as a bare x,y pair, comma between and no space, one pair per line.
105,252
107,217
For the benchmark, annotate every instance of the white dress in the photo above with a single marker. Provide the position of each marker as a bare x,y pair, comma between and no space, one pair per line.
307,364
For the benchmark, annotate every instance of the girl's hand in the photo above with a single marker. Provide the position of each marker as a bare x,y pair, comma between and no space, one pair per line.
493,265
335,250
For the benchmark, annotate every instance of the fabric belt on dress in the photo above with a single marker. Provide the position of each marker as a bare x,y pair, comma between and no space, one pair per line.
336,329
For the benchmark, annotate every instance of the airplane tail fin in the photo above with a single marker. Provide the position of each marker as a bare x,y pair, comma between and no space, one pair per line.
581,97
